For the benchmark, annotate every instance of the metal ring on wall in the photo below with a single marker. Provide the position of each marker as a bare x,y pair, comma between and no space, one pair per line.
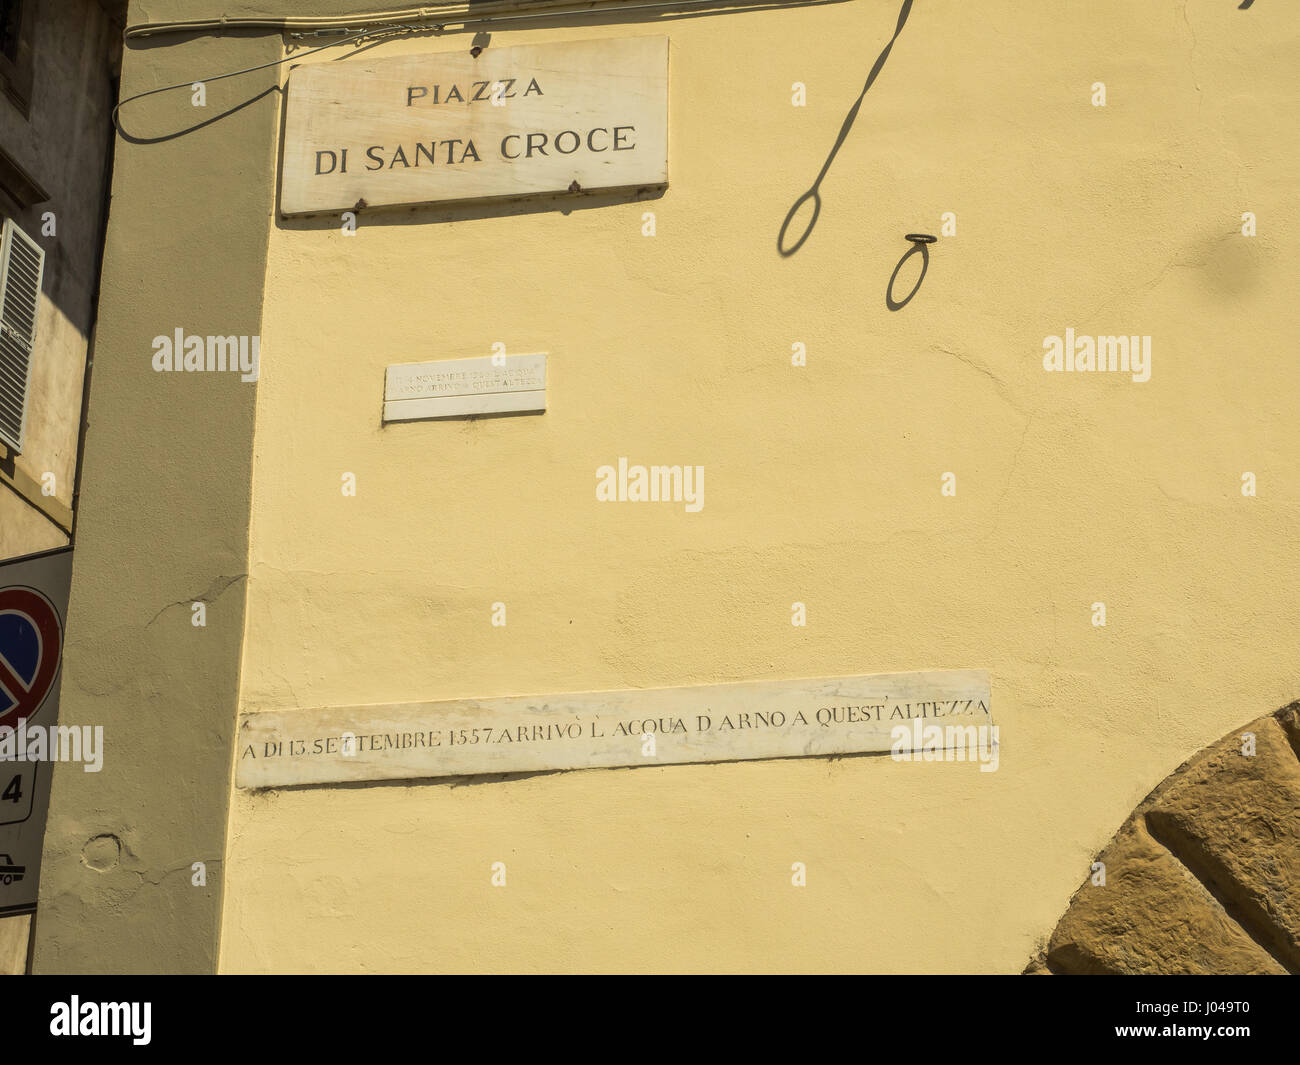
919,243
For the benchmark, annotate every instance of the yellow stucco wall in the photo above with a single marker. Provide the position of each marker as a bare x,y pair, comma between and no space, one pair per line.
822,486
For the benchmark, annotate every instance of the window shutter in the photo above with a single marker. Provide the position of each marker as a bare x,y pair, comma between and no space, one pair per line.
22,261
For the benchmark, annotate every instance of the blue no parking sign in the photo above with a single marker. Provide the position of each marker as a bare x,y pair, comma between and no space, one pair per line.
33,605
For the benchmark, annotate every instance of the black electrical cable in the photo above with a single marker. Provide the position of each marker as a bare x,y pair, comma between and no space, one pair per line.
374,32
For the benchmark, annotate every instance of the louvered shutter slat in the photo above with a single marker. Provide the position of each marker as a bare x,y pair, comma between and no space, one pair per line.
22,261
9,374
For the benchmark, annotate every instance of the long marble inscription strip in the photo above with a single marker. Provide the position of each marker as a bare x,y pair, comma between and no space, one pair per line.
710,723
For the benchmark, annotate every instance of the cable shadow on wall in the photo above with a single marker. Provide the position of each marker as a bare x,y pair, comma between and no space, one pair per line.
814,193
641,14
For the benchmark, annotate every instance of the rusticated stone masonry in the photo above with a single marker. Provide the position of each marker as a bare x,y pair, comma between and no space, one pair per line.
1204,876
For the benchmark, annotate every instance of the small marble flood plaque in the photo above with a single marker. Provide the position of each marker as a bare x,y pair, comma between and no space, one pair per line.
455,388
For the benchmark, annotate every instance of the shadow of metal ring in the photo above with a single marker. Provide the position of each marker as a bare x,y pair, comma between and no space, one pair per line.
917,245
816,197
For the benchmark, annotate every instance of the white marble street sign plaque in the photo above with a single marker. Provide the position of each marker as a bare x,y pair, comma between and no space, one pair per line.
450,126
713,723
453,388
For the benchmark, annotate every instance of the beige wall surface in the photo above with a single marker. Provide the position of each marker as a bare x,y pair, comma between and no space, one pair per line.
163,524
24,530
63,144
822,487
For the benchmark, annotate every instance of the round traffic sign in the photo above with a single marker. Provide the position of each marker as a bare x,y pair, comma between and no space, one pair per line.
31,638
